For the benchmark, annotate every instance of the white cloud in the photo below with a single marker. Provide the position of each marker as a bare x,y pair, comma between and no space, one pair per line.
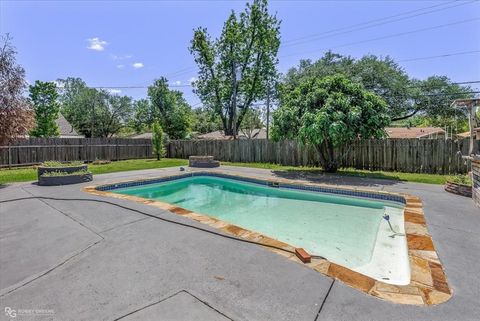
137,65
177,83
114,91
121,57
120,66
192,79
96,44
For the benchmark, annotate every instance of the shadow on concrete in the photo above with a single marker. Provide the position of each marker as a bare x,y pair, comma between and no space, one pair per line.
346,178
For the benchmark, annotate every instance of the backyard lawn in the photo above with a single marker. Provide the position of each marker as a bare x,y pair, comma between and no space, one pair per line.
30,174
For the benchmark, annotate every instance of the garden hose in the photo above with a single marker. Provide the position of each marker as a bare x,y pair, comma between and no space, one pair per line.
155,217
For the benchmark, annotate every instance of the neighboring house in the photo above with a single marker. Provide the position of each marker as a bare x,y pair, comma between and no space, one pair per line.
260,133
144,135
415,132
66,130
467,134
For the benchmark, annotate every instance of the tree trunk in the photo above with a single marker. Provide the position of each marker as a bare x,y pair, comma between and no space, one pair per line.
229,132
327,157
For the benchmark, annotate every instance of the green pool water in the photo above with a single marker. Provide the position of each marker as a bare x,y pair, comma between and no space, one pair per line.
342,229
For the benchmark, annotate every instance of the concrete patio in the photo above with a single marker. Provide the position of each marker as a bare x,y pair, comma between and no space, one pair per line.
92,261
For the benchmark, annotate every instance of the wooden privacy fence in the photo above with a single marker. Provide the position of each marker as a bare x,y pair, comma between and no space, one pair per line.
37,150
403,155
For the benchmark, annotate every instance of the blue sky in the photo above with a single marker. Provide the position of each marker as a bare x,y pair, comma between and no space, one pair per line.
130,43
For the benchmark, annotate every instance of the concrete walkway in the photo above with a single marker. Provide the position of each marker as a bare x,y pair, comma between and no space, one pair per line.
92,261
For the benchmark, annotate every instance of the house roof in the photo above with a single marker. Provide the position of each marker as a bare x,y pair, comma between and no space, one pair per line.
144,135
465,134
260,133
65,128
412,132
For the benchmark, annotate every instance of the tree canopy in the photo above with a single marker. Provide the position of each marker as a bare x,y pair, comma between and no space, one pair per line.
235,69
93,112
205,121
329,113
405,96
170,109
44,98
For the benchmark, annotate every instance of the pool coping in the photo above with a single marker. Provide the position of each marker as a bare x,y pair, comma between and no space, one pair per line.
428,284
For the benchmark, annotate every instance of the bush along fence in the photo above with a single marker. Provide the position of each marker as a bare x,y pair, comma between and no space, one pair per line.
34,151
434,156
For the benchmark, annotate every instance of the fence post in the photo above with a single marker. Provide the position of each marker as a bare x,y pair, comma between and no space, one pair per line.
9,157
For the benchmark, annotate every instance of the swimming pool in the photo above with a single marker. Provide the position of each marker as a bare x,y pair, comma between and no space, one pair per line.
346,229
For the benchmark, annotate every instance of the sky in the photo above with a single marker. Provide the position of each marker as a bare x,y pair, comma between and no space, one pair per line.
131,43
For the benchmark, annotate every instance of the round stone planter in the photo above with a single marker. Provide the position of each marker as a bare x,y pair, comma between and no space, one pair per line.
202,162
459,189
64,180
63,169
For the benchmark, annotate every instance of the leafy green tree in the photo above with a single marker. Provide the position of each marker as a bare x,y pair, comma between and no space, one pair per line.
327,114
114,114
252,123
170,108
383,76
236,67
205,121
144,116
93,112
433,100
405,97
44,98
158,140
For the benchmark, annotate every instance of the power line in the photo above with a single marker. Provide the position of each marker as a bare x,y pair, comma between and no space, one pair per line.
385,37
440,56
363,23
176,86
337,32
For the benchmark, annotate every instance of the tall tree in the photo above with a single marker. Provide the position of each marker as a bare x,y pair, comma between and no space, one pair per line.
170,108
236,67
115,113
433,100
44,98
252,123
329,113
93,112
405,97
205,121
16,116
144,115
383,76
158,140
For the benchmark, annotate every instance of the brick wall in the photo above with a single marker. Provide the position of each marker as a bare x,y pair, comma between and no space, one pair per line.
476,180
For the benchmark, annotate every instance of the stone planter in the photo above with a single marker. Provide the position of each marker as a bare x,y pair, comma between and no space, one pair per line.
63,169
202,162
459,189
64,180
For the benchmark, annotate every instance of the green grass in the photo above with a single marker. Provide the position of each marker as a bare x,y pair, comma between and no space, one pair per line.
397,176
30,174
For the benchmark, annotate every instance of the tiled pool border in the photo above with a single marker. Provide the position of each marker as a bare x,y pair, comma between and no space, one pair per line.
428,285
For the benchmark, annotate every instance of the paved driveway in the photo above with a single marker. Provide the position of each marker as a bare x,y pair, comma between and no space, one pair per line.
91,261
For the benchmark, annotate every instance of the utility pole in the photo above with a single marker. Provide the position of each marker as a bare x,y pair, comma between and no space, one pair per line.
268,111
